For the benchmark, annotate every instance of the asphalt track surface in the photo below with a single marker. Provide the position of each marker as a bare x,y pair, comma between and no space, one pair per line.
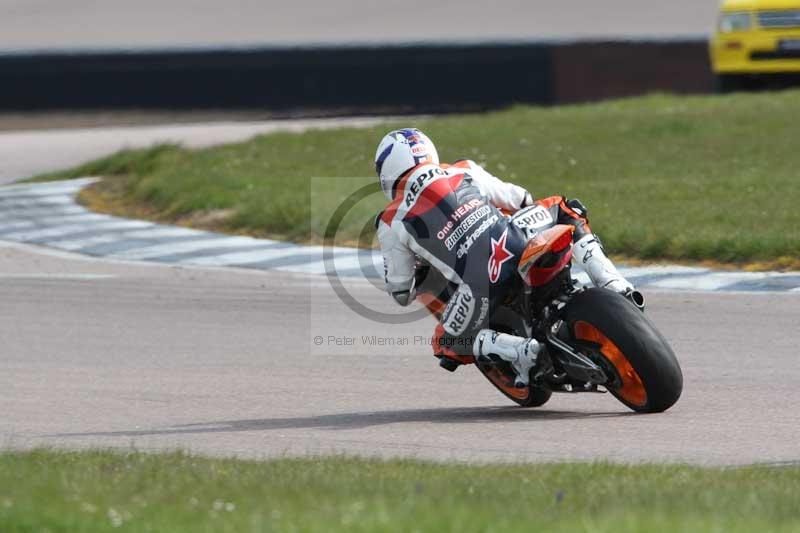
224,362
53,24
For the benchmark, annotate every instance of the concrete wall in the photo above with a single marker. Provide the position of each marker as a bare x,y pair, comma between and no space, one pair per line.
414,78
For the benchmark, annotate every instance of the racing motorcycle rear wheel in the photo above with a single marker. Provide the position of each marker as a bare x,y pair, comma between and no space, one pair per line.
503,380
644,372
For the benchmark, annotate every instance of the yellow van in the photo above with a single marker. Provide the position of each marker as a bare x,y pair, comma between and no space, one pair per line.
755,38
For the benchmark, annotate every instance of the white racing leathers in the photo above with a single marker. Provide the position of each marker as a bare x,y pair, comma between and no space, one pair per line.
439,212
588,253
450,216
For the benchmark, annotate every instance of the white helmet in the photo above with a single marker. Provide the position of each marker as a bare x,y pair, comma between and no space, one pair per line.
399,152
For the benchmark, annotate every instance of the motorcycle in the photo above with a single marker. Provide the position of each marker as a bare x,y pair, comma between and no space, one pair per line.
594,339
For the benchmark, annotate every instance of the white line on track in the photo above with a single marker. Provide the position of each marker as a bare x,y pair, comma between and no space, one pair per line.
50,275
23,202
52,220
254,256
76,228
51,188
341,263
709,282
158,232
656,270
40,211
213,241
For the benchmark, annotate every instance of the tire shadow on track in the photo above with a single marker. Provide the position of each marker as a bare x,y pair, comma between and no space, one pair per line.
350,421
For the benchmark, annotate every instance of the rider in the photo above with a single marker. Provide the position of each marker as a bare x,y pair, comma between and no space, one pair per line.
450,216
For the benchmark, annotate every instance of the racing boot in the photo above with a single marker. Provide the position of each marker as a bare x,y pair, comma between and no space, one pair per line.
589,254
520,352
442,350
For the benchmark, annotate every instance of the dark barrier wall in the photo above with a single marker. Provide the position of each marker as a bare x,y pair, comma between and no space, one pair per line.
586,71
414,78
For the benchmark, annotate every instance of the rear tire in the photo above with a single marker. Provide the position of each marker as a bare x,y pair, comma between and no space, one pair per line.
612,331
503,380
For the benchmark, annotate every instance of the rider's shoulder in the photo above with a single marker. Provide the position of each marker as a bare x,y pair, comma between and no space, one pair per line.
386,216
464,164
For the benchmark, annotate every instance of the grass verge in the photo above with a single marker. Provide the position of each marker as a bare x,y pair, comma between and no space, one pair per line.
95,491
664,177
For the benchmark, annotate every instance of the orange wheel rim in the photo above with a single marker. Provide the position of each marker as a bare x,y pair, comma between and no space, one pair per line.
632,389
506,385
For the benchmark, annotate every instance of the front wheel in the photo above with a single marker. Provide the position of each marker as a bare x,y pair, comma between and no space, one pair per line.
643,371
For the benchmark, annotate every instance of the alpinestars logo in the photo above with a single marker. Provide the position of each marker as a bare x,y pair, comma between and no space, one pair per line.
500,255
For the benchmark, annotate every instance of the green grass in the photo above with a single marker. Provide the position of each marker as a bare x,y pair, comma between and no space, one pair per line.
97,491
664,177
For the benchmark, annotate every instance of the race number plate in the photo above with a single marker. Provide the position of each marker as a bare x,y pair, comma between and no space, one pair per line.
533,218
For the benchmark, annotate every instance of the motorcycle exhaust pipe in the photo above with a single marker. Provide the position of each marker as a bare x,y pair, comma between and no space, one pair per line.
637,298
